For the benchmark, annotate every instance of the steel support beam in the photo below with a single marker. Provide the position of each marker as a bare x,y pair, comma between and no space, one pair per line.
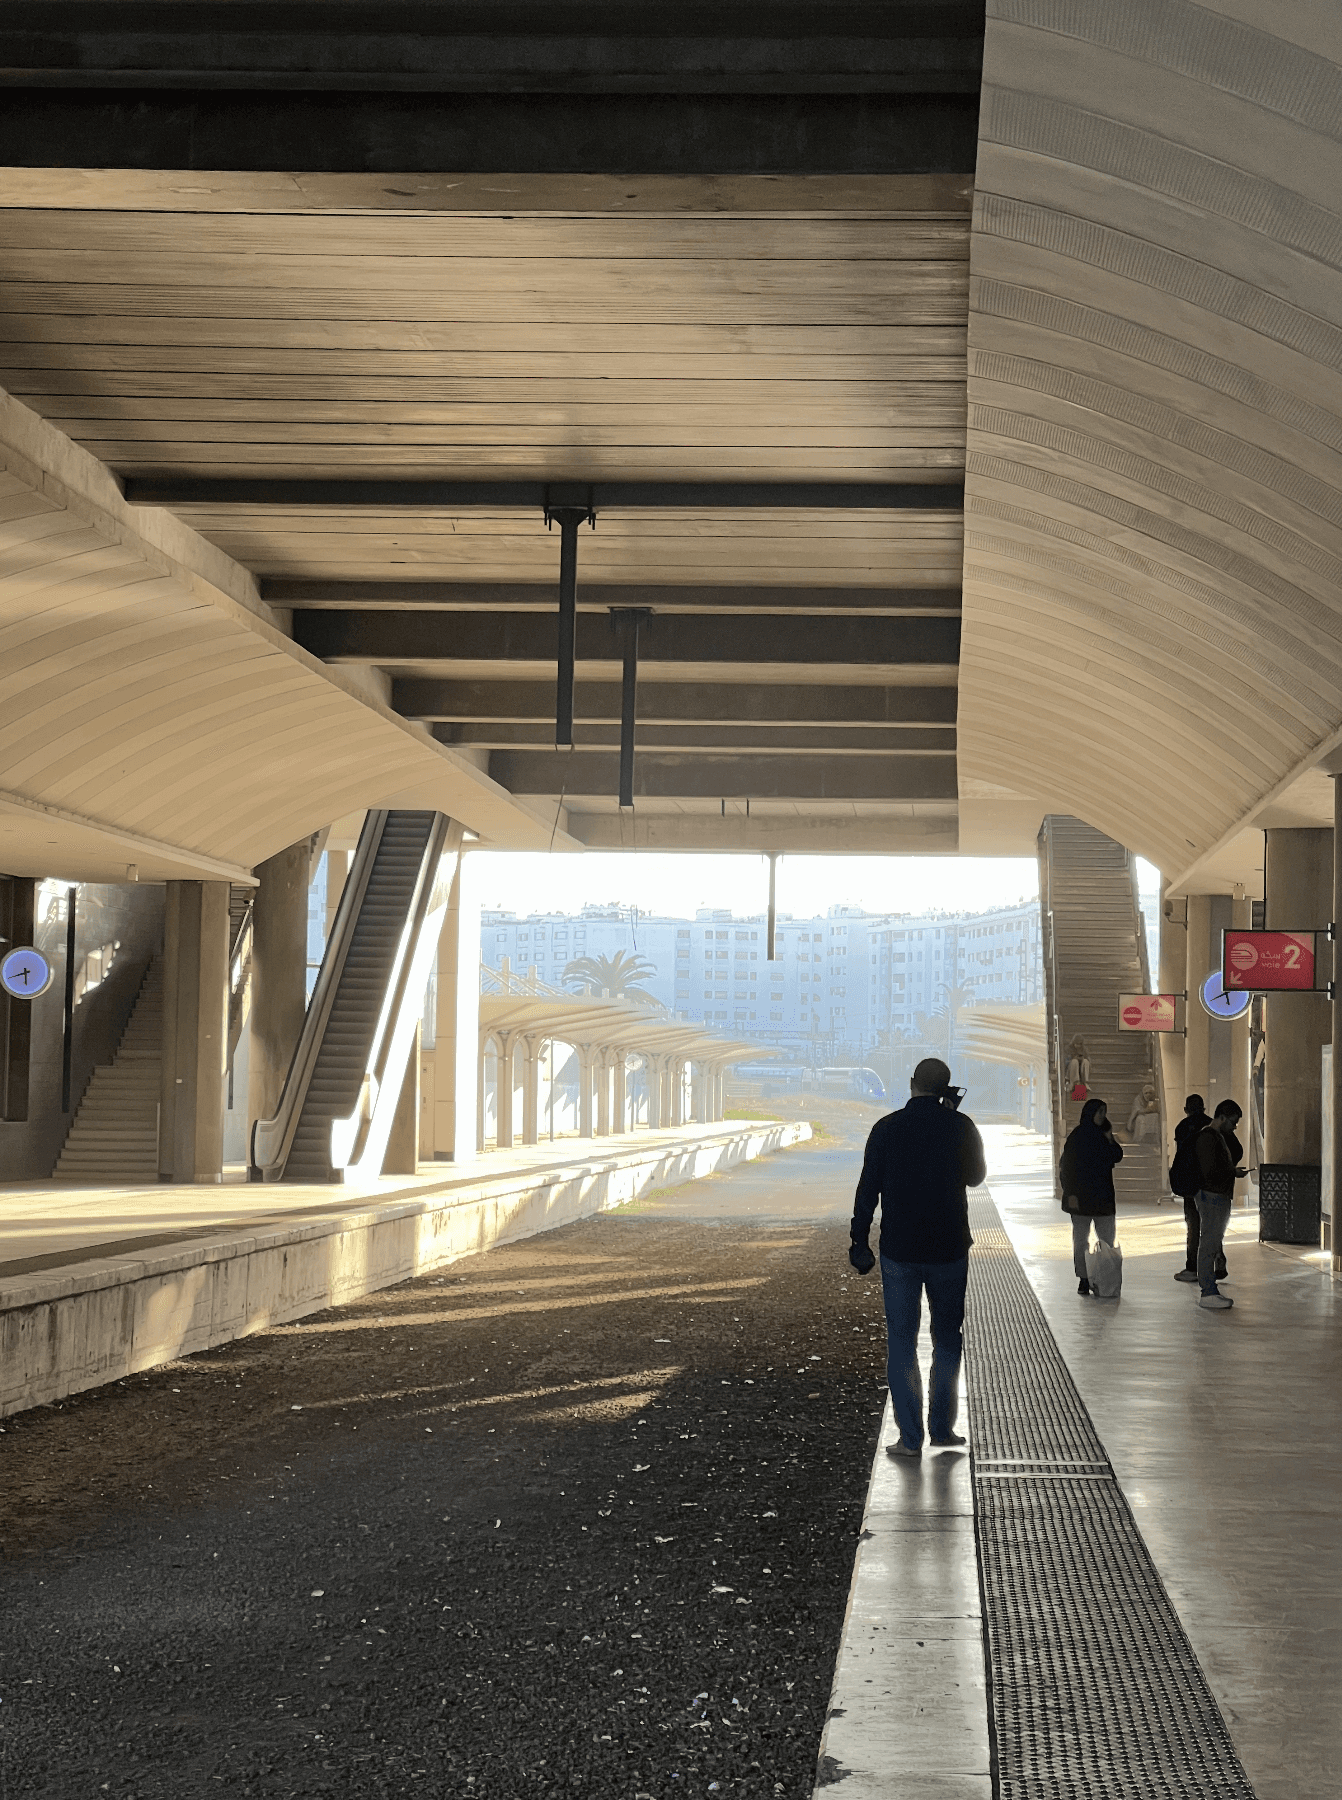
678,702
627,622
773,740
669,776
537,496
750,641
514,596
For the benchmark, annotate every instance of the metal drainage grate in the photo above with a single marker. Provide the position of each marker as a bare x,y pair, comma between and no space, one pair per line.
1096,1692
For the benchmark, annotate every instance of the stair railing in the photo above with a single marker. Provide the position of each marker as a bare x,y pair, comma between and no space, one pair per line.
359,1141
272,1139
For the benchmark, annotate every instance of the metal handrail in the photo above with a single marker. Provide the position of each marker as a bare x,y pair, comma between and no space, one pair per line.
272,1139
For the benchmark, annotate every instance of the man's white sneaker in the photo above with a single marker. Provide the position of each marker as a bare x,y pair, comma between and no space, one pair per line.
1216,1302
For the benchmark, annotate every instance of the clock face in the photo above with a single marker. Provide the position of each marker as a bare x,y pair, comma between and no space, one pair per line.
25,973
1218,1002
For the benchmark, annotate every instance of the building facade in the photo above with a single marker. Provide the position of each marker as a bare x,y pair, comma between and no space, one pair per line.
841,984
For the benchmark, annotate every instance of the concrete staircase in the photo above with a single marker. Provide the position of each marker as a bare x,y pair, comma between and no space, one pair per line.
1094,950
114,1133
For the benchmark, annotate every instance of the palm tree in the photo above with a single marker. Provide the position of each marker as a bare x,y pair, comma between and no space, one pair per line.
613,977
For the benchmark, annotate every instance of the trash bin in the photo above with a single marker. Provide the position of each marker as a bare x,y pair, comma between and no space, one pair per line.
1289,1203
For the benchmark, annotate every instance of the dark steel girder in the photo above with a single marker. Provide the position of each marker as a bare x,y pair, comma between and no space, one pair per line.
680,702
537,596
776,740
664,775
748,641
538,496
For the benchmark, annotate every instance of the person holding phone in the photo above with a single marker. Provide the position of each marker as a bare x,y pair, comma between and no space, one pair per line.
919,1164
1086,1177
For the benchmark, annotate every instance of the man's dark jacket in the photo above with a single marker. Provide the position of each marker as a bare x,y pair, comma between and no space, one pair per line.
1218,1158
1185,1176
918,1164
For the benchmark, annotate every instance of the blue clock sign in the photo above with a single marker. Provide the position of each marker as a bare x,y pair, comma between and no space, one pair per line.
1219,1003
25,973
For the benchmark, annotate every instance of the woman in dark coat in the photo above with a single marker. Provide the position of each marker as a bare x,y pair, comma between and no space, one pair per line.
1086,1173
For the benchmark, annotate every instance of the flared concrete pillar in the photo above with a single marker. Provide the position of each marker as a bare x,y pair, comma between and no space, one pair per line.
1299,896
531,1090
279,974
603,1070
402,1152
1241,1056
195,1031
585,1118
1172,978
505,1043
457,1081
1202,959
677,1092
619,1114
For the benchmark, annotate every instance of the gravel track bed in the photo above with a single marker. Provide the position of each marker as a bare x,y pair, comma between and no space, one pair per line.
574,1515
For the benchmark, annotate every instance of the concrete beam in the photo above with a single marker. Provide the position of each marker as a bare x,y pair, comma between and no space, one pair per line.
677,702
764,740
532,596
749,642
664,775
917,830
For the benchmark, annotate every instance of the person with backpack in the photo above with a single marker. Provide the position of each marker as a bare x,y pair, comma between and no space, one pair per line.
1185,1181
1086,1175
1219,1152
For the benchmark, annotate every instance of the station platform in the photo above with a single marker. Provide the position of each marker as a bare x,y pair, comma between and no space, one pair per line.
99,1282
1129,1582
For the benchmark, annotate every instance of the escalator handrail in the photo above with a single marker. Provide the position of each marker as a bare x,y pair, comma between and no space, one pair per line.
272,1139
349,1136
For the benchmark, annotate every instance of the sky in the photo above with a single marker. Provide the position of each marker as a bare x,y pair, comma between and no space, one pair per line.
525,882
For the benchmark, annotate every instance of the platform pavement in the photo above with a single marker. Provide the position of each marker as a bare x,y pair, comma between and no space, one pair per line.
96,1283
1225,1432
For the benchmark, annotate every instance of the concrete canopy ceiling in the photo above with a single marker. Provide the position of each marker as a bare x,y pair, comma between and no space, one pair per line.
1153,494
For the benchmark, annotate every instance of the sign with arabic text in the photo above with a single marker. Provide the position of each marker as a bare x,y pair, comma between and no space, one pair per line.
1268,962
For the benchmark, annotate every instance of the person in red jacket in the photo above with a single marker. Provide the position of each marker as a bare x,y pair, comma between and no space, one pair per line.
919,1163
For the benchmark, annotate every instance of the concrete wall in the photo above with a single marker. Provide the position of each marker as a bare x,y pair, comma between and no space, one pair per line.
94,1322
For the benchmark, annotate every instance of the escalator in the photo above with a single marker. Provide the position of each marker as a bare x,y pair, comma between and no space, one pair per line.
344,1082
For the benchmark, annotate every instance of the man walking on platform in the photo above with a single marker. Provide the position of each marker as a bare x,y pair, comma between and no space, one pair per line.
1219,1152
919,1163
1186,1180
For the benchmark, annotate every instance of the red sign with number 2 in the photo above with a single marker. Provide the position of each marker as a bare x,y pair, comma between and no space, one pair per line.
1268,962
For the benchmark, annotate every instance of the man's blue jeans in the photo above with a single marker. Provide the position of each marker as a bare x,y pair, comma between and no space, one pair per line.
1213,1217
903,1285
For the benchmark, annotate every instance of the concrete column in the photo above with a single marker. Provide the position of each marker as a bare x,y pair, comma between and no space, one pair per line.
1333,1202
1172,978
531,1090
337,874
584,1091
504,1043
720,1097
402,1152
458,1085
1201,960
619,1113
697,1092
603,1069
652,1071
195,1031
279,975
1241,918
1299,894
677,1092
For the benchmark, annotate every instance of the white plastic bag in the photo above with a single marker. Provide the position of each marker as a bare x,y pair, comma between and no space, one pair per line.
1104,1270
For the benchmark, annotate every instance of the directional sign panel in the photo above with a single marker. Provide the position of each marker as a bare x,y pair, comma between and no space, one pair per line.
1146,1012
1268,962
25,973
